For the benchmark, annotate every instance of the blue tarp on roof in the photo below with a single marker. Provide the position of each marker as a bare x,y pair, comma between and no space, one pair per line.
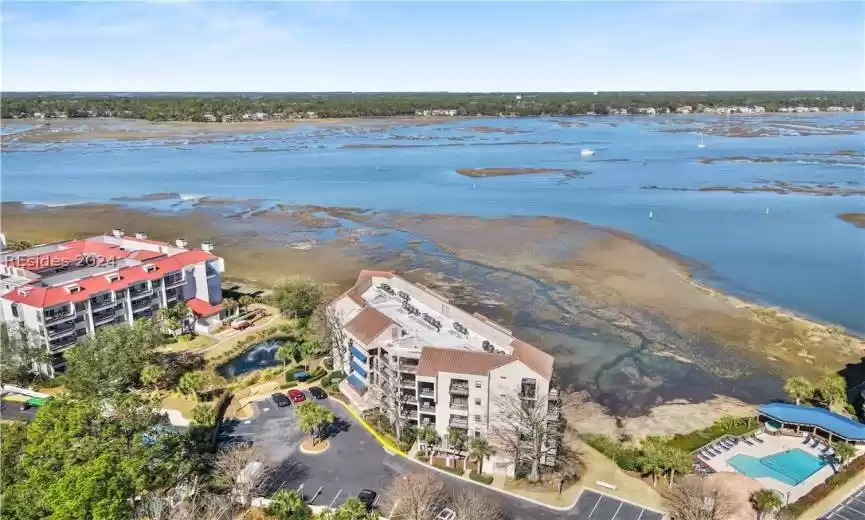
819,417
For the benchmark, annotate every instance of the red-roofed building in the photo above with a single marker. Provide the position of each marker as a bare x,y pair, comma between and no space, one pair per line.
68,290
422,360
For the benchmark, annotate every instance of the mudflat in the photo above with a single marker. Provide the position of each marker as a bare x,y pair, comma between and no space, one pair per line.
857,219
501,172
655,350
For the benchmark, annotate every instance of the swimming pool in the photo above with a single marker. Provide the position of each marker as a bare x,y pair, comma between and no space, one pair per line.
790,467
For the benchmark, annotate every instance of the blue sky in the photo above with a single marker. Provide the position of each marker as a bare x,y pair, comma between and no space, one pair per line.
456,46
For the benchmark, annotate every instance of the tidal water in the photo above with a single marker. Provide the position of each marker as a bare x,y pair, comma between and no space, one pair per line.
799,255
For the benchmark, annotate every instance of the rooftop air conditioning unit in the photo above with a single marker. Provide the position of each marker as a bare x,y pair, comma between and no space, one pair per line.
181,243
117,232
141,236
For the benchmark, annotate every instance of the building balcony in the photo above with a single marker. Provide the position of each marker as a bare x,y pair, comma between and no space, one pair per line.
459,388
457,421
410,399
410,369
59,317
358,354
140,305
173,281
96,305
428,409
459,405
60,330
62,342
139,292
103,318
427,392
410,414
144,313
407,383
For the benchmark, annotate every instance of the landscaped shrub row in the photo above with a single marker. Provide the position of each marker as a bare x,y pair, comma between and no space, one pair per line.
625,457
483,479
822,490
724,426
455,471
291,384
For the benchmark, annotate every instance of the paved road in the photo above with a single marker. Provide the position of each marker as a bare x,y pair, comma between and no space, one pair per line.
356,461
12,410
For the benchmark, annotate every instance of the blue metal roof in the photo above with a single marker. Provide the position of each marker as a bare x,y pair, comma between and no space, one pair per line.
819,417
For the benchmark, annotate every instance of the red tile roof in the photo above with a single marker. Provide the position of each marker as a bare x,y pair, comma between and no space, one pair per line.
202,308
368,325
42,297
434,360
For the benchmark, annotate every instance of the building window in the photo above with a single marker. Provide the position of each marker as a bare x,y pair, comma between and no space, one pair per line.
15,310
477,434
477,402
81,332
477,418
79,319
477,384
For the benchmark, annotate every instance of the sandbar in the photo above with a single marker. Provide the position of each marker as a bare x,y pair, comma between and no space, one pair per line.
857,219
503,172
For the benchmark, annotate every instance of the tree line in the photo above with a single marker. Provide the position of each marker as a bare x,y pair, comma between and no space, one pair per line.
208,106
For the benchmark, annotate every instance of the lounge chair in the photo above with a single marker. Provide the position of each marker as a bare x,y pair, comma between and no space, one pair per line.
758,439
807,439
722,446
746,441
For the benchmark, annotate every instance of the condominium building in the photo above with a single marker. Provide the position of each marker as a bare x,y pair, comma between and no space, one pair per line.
67,290
439,365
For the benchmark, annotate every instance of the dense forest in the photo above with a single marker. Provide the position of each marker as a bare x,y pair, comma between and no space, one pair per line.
237,106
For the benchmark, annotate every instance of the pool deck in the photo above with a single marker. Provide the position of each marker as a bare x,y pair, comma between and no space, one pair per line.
771,445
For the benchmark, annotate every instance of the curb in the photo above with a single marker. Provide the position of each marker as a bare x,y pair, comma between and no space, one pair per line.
503,491
385,444
305,452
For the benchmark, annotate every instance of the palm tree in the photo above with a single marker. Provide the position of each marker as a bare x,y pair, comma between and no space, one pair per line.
479,449
653,460
190,383
287,504
245,301
229,303
799,388
844,451
353,509
764,501
313,419
832,390
284,353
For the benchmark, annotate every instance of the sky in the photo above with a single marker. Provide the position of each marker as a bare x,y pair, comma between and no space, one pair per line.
431,46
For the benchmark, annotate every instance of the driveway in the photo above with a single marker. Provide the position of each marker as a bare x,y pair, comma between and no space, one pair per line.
356,461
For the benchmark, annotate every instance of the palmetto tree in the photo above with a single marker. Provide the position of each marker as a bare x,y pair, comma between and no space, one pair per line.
191,383
799,388
314,419
764,501
287,504
844,451
284,353
479,449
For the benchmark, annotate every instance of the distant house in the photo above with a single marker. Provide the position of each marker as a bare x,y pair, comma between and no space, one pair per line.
227,118
210,118
649,111
39,115
311,115
686,109
759,109
261,116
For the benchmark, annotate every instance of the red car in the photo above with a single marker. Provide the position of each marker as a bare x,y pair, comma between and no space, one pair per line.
296,396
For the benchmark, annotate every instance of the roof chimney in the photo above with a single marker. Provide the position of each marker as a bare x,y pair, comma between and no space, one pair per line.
141,236
181,243
117,232
207,246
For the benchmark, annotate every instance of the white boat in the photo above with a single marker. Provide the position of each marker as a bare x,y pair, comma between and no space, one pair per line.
702,144
585,152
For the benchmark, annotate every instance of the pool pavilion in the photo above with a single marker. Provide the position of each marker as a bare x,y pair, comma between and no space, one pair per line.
792,418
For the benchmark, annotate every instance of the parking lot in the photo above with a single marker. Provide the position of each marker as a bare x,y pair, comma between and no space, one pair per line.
356,461
853,508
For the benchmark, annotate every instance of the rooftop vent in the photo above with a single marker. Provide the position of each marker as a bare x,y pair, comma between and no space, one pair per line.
72,289
117,232
207,246
181,243
149,268
113,277
141,236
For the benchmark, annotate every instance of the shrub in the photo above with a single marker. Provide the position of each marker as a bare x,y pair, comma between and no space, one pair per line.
625,457
724,426
822,490
455,471
483,479
289,385
289,376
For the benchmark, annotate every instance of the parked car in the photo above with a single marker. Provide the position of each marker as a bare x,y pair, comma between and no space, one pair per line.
280,400
446,514
296,396
367,498
317,392
302,376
